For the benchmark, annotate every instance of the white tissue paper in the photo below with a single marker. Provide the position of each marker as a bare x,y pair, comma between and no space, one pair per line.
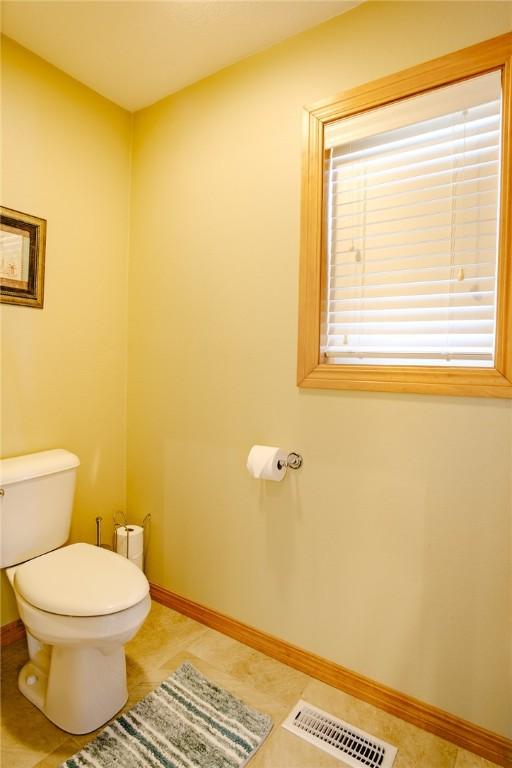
130,543
263,460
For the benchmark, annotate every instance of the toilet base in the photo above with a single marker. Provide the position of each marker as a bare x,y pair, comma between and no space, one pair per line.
76,674
81,690
33,683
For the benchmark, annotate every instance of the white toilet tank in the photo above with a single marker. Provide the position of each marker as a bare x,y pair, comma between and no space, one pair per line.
36,500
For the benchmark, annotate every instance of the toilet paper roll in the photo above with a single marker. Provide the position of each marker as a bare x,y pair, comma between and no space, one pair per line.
137,560
262,462
130,541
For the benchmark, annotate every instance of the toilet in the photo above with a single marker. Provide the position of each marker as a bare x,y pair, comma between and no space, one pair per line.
79,603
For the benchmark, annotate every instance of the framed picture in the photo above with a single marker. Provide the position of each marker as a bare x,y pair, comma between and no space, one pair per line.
22,245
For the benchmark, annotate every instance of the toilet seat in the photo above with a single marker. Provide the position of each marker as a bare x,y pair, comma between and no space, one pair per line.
80,580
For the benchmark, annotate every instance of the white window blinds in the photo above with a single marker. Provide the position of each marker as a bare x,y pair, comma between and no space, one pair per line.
412,202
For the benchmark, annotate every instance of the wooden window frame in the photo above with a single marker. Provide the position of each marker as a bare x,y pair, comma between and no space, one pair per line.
494,54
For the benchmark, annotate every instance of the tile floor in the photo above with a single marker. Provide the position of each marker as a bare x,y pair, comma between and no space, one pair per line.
167,639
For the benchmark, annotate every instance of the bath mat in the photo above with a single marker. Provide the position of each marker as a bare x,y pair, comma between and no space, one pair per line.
187,722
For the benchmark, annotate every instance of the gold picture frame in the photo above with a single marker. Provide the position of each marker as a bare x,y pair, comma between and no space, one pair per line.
22,252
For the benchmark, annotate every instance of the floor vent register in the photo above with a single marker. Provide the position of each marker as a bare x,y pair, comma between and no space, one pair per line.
342,740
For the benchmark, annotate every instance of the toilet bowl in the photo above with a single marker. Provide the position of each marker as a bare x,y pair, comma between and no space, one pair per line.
80,604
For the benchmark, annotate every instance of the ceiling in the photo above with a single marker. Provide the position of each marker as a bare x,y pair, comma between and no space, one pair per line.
135,52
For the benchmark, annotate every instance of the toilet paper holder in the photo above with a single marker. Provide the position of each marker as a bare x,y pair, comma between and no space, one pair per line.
121,522
292,461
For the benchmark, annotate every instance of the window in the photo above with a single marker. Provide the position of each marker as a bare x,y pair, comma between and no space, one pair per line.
405,264
411,229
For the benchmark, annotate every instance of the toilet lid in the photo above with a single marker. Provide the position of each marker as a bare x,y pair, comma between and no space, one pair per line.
81,580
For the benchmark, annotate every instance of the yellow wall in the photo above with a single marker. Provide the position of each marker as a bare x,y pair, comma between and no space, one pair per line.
390,551
66,158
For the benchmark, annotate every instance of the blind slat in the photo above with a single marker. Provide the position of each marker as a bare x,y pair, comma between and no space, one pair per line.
457,258
417,190
413,314
455,149
461,204
458,220
409,302
419,171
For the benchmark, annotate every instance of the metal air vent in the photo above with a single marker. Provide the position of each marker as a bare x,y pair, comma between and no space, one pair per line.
340,739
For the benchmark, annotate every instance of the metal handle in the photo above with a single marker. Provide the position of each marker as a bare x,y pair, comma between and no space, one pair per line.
2,492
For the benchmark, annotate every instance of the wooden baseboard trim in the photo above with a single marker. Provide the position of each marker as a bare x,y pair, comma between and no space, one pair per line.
466,735
9,633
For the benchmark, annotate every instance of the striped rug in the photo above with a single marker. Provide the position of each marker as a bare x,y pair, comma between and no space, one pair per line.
187,722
